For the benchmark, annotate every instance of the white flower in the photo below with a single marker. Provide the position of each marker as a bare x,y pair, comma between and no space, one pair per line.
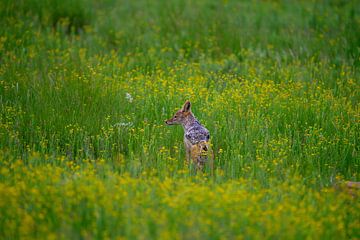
129,97
123,124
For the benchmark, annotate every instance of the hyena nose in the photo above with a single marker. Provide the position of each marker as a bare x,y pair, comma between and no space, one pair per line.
166,122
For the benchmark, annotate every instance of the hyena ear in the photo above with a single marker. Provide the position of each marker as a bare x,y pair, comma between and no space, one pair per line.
187,106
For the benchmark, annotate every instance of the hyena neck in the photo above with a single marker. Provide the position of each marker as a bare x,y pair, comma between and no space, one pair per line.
189,121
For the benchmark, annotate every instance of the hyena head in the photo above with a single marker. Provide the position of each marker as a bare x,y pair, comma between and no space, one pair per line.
180,116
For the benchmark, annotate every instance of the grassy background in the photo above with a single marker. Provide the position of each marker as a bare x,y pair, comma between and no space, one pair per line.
85,88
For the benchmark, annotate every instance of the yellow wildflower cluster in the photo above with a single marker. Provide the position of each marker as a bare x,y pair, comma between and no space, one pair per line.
51,202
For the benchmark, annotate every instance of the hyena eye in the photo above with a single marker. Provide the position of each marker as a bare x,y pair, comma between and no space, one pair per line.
175,117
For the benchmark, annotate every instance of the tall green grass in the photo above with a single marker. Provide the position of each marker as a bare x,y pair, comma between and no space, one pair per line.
91,83
65,92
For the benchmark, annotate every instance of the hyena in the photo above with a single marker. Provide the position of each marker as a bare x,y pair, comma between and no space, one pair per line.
196,136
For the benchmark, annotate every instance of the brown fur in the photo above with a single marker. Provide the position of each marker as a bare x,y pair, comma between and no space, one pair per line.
196,137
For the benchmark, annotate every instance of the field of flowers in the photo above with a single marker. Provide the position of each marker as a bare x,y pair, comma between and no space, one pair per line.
85,88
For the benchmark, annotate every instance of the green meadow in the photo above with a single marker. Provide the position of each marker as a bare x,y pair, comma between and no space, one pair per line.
86,87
